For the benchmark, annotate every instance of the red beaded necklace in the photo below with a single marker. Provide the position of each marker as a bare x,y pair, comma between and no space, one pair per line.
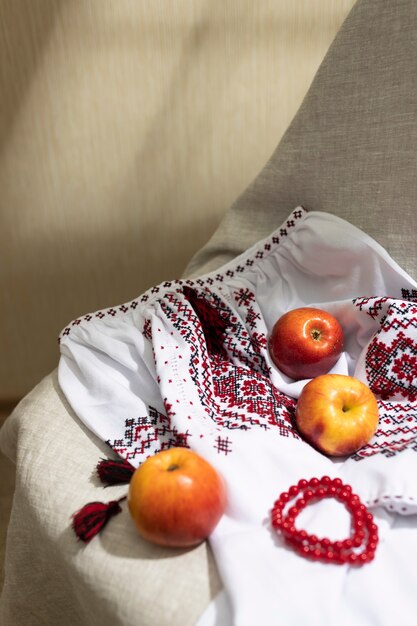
358,549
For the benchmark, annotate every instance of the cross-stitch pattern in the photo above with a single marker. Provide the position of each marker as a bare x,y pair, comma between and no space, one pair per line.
208,339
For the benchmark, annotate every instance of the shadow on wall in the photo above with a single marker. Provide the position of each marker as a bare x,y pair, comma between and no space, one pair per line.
24,34
126,130
78,242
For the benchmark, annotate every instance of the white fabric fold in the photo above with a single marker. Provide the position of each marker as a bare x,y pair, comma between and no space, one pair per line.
187,364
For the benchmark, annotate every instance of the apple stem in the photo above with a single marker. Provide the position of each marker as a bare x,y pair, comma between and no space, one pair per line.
173,467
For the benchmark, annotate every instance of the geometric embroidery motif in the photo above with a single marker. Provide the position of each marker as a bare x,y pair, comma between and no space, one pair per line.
391,359
397,430
245,398
226,363
391,371
372,306
223,445
230,372
409,294
226,358
145,436
391,367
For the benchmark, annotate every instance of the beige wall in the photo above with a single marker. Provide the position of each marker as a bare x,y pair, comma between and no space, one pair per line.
127,127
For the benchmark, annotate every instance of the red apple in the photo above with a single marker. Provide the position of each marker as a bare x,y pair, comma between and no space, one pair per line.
306,342
176,498
337,414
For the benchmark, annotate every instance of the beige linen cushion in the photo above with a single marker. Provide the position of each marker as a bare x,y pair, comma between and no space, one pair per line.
349,151
51,578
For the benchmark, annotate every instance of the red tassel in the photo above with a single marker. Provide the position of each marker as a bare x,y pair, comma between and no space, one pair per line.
92,518
114,471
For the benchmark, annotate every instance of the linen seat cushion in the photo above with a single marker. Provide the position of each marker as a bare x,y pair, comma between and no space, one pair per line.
53,579
349,151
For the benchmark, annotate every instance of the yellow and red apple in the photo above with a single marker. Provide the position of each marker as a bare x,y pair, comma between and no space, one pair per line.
176,498
337,414
306,342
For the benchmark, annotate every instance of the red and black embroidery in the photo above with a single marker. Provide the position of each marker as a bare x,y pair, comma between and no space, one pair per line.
245,398
223,445
397,431
225,365
249,309
187,323
409,294
391,367
147,329
391,371
371,306
391,359
226,335
213,321
146,435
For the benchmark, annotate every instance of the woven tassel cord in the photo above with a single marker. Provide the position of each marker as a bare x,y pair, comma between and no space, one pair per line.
93,517
114,471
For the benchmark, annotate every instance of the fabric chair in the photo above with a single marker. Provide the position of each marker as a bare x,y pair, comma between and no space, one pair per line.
349,151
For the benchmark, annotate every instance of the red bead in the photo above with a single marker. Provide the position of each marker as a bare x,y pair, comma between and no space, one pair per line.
293,491
340,559
316,554
276,520
352,558
302,484
326,480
